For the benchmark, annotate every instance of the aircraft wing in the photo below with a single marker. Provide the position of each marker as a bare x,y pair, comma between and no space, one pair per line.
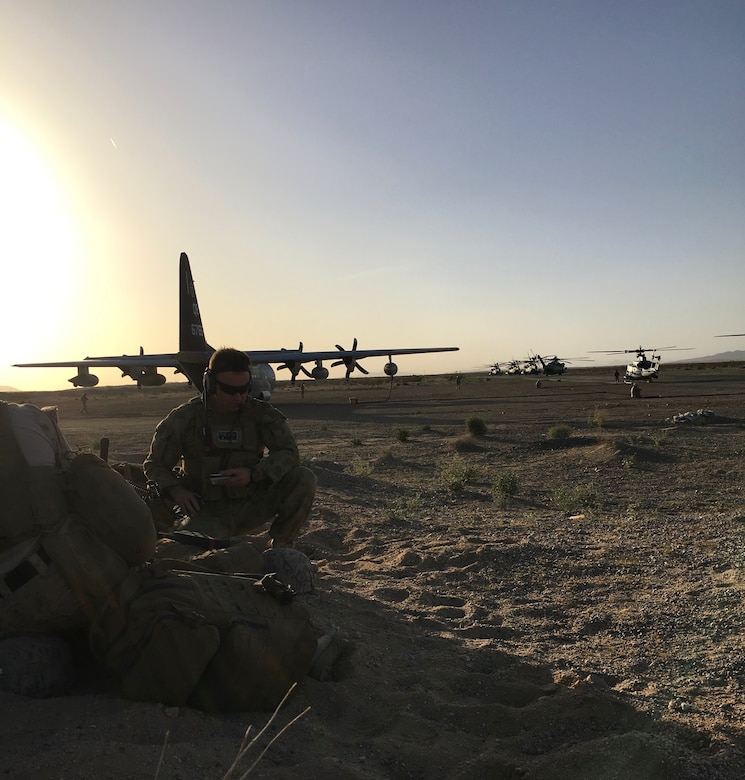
142,368
119,361
293,359
171,359
284,355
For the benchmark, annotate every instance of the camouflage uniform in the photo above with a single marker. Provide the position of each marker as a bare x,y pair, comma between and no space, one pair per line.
256,435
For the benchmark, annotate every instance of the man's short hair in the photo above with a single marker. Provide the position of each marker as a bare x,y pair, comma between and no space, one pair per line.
229,359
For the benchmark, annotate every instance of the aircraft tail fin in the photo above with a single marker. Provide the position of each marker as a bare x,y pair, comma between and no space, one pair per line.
191,332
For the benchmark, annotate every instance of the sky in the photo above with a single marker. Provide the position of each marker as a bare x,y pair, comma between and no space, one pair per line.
504,177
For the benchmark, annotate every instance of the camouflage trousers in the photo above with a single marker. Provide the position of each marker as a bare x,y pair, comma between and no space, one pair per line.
285,505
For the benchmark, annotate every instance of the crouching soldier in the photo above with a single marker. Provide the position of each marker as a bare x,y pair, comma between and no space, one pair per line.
241,468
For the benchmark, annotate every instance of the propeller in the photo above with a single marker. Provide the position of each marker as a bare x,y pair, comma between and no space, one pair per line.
349,362
295,366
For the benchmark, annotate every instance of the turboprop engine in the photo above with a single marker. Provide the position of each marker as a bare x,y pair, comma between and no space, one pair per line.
84,378
151,379
145,376
319,371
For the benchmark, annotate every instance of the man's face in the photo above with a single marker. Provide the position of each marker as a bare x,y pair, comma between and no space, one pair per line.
231,390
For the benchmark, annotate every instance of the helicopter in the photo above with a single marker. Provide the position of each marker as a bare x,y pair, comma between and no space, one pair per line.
642,368
530,366
553,366
503,369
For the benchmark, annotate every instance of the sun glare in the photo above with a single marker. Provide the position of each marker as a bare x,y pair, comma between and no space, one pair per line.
37,242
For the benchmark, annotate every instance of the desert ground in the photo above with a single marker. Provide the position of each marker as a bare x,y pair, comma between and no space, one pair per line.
556,595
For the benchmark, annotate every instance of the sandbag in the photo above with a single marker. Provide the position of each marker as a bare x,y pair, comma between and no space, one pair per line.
214,641
110,508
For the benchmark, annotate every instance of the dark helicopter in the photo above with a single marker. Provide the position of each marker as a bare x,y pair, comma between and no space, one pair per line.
554,366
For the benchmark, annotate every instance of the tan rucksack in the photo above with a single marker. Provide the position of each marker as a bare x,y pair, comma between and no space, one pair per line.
209,640
32,495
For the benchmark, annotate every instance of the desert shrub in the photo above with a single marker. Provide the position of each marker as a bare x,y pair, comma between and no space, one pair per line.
475,425
356,442
401,434
559,432
571,499
386,458
360,467
628,461
403,508
597,419
505,487
455,473
632,510
426,428
659,437
466,443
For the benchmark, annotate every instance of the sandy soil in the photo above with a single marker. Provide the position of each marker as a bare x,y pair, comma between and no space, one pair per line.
514,604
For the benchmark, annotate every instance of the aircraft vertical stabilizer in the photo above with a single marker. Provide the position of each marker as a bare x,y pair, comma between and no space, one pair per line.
194,351
191,332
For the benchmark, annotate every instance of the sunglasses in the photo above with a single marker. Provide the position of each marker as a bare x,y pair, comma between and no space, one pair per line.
234,389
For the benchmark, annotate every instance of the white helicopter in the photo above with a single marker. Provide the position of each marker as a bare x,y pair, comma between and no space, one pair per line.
642,368
515,367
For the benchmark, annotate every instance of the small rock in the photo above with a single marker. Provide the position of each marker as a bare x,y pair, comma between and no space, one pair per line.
596,679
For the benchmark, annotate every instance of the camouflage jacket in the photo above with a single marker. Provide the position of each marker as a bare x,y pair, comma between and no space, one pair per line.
256,434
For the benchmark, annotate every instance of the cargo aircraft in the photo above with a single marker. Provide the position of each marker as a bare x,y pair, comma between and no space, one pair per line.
194,353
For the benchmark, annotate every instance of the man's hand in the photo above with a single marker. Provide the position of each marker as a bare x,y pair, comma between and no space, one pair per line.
241,477
188,500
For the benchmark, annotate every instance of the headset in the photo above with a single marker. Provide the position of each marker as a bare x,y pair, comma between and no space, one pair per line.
208,383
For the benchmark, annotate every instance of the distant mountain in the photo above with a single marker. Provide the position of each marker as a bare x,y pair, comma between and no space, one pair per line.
8,389
734,356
